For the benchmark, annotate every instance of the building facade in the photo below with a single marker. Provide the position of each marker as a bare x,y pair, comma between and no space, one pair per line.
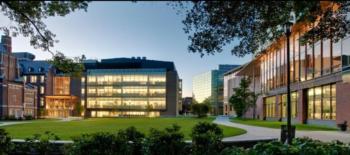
209,86
17,99
319,75
57,93
130,87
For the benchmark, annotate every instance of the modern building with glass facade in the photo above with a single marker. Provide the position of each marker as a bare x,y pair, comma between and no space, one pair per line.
130,87
319,75
209,86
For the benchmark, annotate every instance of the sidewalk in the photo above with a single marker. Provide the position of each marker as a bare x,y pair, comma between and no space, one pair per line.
255,132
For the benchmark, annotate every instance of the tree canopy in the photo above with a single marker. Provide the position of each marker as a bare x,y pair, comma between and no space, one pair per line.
27,18
212,25
243,98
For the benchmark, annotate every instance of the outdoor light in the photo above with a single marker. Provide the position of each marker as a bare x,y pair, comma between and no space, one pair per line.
288,32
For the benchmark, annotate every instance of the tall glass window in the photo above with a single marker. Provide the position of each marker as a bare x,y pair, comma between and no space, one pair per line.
309,62
326,61
282,66
296,58
318,59
322,102
302,63
336,58
270,106
291,58
346,54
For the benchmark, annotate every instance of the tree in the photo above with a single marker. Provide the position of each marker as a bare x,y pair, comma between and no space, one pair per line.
243,98
211,25
200,109
27,18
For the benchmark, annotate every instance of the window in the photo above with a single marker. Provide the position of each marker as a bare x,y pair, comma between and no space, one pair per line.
33,79
294,104
302,63
25,79
318,59
41,101
322,102
270,106
336,58
42,79
346,54
296,59
309,62
42,90
326,61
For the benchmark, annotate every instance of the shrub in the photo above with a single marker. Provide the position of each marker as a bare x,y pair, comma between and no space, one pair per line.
135,139
5,142
167,142
39,144
206,138
94,144
128,141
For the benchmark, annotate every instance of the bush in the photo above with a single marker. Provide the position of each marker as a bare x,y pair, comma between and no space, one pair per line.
200,110
299,146
135,139
128,141
5,142
206,139
38,144
167,142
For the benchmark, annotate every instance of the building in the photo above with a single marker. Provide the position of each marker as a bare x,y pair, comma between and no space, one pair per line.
209,86
231,81
179,106
17,99
319,75
186,105
130,87
57,93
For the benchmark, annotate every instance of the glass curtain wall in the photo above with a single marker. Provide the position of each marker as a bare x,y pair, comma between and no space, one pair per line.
134,89
322,102
270,106
307,61
294,105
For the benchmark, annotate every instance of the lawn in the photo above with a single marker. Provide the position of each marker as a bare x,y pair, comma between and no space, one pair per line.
277,124
67,130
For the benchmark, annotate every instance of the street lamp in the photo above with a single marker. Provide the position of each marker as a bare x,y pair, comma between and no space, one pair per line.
288,32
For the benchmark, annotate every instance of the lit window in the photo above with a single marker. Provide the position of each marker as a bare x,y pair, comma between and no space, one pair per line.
42,90
82,91
42,78
33,79
41,101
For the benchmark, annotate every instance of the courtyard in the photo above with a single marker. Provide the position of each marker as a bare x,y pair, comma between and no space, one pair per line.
65,130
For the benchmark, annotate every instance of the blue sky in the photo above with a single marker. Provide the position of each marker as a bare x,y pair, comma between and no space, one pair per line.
126,29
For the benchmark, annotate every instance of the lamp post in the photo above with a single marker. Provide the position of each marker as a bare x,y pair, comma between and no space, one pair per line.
289,126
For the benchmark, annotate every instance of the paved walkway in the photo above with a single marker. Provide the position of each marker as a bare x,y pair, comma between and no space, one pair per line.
254,132
5,123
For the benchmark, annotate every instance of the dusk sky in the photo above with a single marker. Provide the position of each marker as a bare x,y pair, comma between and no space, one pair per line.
126,29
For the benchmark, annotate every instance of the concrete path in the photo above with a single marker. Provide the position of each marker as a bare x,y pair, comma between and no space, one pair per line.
5,123
254,132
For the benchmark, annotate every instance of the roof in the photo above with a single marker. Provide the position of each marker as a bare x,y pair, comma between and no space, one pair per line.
129,63
235,69
34,67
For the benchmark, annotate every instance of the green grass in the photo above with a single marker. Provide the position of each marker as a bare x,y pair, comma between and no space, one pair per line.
67,130
277,125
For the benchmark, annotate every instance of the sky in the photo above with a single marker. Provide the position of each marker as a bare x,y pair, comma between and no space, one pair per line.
128,29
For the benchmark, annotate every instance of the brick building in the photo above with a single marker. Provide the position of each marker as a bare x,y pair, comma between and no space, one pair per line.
16,98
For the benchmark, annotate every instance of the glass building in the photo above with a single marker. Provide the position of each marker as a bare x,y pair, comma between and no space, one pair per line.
319,74
209,86
130,87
